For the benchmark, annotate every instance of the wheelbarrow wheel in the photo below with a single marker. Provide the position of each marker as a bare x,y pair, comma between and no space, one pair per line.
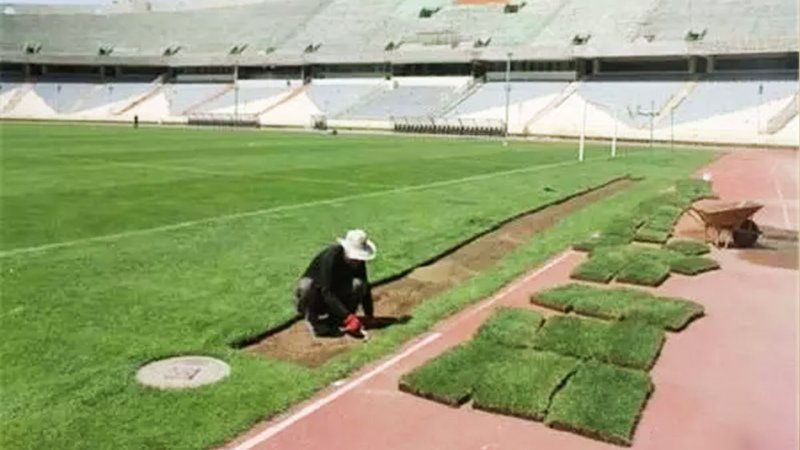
746,235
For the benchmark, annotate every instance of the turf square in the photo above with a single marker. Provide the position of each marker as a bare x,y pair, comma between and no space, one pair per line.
632,343
572,336
601,401
652,235
561,298
618,303
626,343
645,272
450,378
523,383
602,266
605,303
673,314
511,327
693,265
688,247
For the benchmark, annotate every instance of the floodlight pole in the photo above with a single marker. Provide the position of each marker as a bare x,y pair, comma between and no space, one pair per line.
582,145
508,89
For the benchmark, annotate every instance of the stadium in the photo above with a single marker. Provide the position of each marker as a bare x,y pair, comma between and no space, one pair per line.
585,214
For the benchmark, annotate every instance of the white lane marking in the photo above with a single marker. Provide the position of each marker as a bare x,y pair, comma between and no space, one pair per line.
221,173
315,406
276,209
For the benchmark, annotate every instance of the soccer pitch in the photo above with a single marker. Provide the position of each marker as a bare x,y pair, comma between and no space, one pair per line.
120,246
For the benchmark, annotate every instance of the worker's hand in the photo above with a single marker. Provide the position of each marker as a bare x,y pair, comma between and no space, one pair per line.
352,324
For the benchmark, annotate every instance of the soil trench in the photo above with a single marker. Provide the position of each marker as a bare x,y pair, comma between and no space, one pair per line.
396,299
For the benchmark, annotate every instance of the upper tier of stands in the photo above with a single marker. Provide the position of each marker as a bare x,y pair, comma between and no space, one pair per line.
353,30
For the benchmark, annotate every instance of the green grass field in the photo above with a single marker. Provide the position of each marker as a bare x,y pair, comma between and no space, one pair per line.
120,246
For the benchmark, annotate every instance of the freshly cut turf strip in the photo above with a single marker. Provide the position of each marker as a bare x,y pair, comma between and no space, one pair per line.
693,265
688,247
450,378
601,401
618,303
511,327
645,272
626,343
523,383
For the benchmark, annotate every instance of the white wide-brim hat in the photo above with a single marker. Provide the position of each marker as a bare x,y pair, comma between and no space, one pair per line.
357,246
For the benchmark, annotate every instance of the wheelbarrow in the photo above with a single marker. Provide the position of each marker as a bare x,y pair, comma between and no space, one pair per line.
728,222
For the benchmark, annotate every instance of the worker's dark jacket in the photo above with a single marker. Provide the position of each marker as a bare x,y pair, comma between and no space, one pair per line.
333,281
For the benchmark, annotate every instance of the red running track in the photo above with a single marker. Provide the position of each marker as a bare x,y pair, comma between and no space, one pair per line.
728,382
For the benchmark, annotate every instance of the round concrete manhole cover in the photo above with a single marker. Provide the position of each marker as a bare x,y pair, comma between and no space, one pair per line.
183,372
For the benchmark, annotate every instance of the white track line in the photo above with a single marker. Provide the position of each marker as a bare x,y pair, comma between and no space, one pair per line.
220,173
277,209
313,407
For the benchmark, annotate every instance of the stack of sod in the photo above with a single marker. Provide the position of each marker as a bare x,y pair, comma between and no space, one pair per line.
672,314
601,401
627,343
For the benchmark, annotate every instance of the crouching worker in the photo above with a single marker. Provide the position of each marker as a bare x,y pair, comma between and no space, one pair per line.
335,284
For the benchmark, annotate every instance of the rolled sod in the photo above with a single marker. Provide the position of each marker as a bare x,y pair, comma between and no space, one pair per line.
522,383
601,401
693,265
688,247
628,343
645,272
450,378
511,327
666,312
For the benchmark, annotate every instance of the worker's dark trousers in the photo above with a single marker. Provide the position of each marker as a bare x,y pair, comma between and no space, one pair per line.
312,307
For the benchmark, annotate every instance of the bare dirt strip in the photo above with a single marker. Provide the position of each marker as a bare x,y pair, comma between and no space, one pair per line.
396,299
